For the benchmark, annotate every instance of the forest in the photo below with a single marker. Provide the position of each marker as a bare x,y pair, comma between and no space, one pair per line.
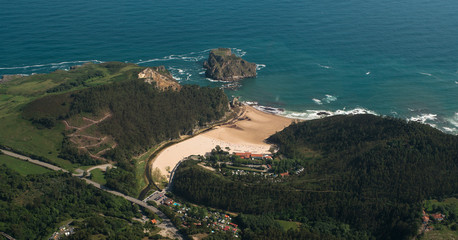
31,207
371,175
142,116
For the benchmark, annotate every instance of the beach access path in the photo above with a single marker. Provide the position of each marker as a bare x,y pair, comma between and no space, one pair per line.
167,227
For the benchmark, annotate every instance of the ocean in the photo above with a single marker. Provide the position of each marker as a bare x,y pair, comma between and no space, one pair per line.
392,58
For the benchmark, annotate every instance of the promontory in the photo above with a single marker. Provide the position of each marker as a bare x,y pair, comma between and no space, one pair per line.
223,65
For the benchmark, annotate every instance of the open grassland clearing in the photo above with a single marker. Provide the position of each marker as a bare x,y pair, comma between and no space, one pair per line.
98,176
19,134
287,225
442,234
22,167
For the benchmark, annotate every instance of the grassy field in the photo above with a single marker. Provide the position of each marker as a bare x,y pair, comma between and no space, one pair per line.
286,225
98,176
450,203
22,167
442,234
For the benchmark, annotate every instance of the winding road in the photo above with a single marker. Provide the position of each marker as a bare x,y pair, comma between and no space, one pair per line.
168,229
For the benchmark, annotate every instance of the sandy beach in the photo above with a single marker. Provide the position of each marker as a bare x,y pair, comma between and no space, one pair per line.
246,135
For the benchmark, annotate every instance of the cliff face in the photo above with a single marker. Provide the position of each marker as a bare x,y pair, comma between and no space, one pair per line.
161,77
222,64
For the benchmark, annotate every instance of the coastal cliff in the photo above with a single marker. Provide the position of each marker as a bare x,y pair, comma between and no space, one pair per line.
161,77
222,64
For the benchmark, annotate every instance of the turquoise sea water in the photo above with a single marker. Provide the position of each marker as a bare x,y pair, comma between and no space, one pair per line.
396,58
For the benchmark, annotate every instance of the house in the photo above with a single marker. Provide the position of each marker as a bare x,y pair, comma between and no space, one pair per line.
233,224
245,155
284,174
226,228
438,216
257,156
168,201
154,221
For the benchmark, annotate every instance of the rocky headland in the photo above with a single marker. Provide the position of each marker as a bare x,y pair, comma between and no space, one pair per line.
223,65
161,77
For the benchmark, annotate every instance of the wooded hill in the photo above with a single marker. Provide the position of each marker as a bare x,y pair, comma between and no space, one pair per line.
32,207
371,174
141,117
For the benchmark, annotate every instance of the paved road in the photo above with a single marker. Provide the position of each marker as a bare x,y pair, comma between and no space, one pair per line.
168,228
43,164
102,167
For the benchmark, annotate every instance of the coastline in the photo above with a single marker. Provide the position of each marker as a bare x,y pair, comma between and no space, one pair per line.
247,134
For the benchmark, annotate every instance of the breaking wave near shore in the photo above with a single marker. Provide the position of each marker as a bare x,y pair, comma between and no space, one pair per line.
445,124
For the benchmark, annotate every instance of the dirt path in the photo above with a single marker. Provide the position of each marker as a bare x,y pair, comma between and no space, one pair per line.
100,140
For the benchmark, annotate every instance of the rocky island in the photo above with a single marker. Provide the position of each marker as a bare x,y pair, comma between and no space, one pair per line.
223,65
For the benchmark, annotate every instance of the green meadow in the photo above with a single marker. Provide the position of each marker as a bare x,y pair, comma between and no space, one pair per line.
22,167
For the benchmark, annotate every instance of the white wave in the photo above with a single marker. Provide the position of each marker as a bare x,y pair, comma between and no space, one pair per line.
250,103
424,117
187,57
426,74
327,99
368,73
453,120
260,66
456,82
354,112
317,101
452,130
238,52
201,73
273,110
52,65
316,114
324,66
330,98
215,80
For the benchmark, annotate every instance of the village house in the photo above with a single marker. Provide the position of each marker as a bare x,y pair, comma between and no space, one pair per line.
252,156
438,216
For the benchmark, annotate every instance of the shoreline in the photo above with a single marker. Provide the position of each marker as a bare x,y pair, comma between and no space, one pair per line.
246,134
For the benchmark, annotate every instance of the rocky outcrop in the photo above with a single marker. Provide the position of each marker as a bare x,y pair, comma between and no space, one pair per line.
6,78
223,65
161,77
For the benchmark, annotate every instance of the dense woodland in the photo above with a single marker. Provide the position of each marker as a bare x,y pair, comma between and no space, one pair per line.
142,116
32,207
368,180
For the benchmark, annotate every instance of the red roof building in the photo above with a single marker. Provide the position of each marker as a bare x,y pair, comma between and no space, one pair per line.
245,155
284,174
425,219
258,156
438,216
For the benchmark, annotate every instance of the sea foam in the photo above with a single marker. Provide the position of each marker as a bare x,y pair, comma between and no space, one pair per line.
52,65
